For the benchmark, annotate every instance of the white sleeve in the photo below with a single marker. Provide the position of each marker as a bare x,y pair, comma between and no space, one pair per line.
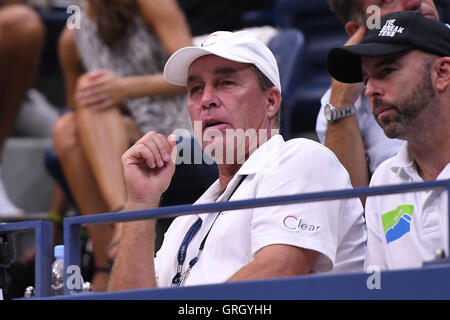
321,122
375,251
311,225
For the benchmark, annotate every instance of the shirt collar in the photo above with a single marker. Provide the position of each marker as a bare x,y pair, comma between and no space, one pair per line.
402,160
213,193
263,158
257,161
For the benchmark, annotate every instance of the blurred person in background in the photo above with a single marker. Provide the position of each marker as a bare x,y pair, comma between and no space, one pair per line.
24,111
112,68
21,38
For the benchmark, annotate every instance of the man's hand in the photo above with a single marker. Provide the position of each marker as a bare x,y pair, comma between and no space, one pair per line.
344,94
148,170
358,36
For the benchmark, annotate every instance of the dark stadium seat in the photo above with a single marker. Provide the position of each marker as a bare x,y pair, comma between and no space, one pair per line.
288,48
50,80
322,31
443,7
53,166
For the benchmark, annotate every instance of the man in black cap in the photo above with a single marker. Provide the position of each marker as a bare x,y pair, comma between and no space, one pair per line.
344,123
406,68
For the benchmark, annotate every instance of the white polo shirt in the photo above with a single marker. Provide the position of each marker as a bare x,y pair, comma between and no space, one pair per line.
405,229
333,228
378,147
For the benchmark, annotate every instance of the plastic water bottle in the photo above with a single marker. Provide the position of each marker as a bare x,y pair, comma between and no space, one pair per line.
29,292
58,272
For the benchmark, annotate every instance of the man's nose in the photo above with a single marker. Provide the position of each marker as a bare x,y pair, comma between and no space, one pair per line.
373,88
209,97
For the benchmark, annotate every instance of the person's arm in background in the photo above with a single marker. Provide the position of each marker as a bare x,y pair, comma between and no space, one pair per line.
344,136
166,20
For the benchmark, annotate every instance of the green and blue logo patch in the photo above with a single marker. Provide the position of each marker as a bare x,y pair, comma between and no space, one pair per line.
398,222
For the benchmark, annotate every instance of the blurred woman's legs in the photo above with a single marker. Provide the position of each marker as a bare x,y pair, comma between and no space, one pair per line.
21,37
85,190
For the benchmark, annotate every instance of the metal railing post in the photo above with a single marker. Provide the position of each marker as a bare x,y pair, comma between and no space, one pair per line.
44,252
72,248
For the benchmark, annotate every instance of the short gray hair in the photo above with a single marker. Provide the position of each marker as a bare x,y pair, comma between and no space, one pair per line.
265,84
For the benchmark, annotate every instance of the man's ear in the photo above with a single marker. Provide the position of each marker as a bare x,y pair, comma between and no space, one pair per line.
441,72
351,27
273,98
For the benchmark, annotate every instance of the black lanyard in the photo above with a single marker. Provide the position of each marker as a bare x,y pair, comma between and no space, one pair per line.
180,276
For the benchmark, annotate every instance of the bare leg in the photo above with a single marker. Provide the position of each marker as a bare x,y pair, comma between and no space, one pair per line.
21,37
85,190
104,138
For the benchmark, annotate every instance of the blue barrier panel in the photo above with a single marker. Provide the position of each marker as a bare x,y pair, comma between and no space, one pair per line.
44,252
72,226
431,283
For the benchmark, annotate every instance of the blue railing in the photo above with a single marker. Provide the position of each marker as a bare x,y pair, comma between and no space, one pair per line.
72,227
430,282
44,252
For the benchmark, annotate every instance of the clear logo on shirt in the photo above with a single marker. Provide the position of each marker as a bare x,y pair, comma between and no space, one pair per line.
293,223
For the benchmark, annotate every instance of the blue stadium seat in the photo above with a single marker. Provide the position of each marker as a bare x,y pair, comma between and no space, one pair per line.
54,21
53,166
288,48
260,17
50,79
322,31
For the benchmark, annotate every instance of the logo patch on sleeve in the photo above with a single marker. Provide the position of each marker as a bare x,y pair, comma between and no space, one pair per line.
396,223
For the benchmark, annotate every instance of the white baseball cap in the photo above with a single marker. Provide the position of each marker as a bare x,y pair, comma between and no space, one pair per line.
241,46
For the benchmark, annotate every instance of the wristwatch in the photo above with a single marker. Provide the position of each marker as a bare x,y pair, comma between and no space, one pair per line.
333,114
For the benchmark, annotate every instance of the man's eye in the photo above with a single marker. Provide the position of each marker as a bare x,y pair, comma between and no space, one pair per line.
387,71
227,83
194,89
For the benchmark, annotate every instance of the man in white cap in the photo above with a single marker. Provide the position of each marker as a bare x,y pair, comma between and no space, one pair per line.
233,86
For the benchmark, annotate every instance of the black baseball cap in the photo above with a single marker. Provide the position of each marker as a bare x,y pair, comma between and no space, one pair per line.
400,32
